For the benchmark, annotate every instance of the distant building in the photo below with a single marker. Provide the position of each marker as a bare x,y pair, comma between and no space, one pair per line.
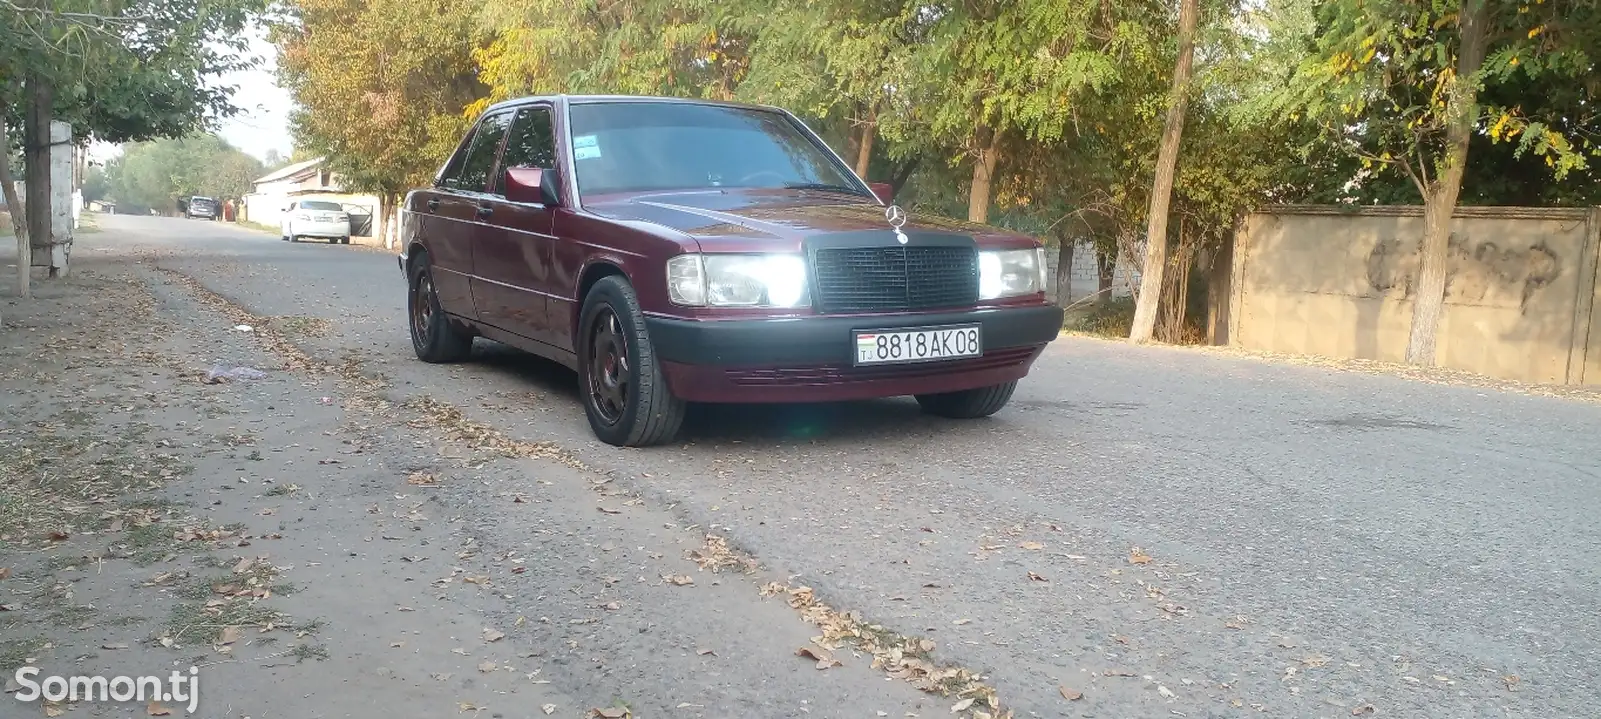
308,180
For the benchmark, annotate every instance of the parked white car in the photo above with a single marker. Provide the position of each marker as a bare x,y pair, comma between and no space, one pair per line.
316,218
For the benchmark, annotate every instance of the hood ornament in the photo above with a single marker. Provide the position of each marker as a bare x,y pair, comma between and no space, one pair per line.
897,217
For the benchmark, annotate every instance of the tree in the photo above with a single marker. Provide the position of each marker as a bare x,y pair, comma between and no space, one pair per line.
1408,86
156,174
381,87
116,70
95,185
1162,187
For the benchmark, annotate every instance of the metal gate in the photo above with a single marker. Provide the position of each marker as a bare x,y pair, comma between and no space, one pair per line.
360,220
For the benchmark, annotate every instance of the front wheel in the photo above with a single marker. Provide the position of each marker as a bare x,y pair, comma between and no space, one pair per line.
625,395
968,403
433,336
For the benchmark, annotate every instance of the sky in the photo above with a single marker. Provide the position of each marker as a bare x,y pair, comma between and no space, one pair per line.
263,121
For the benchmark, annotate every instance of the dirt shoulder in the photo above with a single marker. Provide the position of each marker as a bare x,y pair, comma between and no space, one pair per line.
181,486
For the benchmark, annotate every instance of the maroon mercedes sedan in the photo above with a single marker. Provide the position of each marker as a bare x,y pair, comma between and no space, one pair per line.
675,251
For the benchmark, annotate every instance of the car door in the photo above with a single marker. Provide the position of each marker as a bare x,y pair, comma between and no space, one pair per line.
457,216
289,212
513,265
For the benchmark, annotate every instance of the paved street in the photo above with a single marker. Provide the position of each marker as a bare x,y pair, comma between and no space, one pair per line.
1319,540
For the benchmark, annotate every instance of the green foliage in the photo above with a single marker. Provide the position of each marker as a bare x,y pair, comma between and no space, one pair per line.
381,85
1380,77
153,175
126,70
95,185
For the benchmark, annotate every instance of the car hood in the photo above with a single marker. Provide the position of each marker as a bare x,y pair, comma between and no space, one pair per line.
774,222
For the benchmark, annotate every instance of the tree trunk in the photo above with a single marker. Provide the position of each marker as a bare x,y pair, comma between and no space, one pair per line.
36,164
1064,270
19,214
1439,203
978,198
1162,189
864,149
1105,274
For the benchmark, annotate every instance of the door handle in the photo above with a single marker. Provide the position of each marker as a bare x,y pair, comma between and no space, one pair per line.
433,204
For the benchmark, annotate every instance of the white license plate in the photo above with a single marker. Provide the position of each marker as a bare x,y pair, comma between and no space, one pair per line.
917,345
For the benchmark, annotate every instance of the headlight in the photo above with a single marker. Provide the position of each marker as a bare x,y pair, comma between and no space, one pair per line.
1009,273
734,280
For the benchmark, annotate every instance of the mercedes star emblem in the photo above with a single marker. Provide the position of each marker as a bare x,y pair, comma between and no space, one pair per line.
897,217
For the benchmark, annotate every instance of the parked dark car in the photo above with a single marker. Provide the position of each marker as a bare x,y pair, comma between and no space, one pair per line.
204,207
675,251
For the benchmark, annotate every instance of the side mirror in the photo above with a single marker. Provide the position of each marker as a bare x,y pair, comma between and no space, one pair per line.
532,185
883,190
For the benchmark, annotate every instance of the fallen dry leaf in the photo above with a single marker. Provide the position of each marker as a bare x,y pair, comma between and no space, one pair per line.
548,708
962,705
824,659
230,635
53,709
156,710
1138,556
609,510
59,536
491,635
244,565
1037,577
960,622
1070,694
1032,546
5,572
422,479
610,713
1511,682
1364,709
487,667
679,580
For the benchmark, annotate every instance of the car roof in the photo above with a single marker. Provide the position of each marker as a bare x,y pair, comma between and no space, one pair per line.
588,99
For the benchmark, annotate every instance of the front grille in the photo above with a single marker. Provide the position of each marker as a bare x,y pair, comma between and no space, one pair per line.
846,374
891,279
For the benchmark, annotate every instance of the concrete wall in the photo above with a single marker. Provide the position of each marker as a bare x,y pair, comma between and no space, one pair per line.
1085,281
1338,282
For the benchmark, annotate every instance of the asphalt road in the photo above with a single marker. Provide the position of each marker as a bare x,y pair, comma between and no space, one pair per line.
1321,540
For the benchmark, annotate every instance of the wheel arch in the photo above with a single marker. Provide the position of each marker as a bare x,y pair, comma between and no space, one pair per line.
594,271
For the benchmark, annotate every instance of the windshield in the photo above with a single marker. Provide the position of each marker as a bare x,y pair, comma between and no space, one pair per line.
321,206
633,147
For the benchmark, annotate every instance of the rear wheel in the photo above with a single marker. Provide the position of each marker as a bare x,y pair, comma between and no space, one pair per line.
433,336
625,394
968,403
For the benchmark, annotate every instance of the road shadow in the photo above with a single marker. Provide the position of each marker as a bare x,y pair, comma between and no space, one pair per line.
776,423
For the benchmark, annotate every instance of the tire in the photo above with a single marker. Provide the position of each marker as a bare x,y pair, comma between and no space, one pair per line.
628,403
434,337
968,403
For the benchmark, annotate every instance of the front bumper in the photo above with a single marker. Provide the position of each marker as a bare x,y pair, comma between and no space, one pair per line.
810,359
320,229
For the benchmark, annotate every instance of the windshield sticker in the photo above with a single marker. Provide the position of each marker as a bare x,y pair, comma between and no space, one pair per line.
586,152
584,141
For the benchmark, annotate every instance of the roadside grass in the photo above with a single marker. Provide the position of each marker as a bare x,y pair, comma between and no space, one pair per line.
14,653
1111,319
213,606
260,227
